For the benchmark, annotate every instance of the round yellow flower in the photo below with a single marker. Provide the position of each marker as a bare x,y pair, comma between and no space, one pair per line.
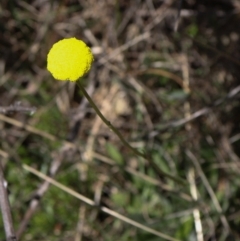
69,59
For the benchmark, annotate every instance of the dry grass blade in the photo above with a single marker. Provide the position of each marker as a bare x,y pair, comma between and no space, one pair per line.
196,211
209,189
92,203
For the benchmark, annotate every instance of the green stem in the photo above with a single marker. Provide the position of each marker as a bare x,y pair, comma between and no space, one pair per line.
116,131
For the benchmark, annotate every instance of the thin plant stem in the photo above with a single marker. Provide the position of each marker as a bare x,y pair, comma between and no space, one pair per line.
6,210
120,136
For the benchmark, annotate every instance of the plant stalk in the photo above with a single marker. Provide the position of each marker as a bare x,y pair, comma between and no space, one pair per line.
120,136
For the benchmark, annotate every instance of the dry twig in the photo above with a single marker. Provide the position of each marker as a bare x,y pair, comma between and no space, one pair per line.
6,210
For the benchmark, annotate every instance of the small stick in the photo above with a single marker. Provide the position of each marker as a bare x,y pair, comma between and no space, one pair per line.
16,107
6,211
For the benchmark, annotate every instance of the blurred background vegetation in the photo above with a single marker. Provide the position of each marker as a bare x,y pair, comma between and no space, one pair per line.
172,94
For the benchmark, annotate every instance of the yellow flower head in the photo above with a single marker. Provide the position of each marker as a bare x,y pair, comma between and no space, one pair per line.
69,59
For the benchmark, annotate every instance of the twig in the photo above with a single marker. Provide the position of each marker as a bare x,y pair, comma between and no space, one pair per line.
17,108
6,210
